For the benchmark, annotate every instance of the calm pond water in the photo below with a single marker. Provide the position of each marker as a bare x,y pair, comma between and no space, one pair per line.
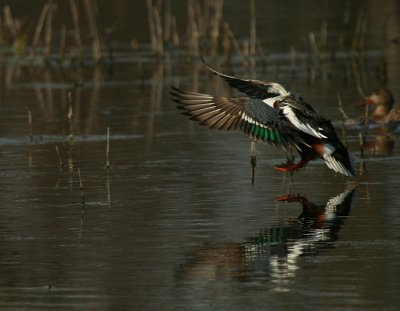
175,223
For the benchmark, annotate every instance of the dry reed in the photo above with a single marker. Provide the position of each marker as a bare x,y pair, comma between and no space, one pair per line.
30,125
60,162
81,188
94,32
108,149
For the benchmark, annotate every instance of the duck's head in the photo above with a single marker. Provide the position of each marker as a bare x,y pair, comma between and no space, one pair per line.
383,100
381,97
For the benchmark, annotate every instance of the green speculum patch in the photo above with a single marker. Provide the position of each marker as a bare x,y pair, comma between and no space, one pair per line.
265,134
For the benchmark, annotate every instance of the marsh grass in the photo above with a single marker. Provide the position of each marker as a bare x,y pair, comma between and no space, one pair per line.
41,43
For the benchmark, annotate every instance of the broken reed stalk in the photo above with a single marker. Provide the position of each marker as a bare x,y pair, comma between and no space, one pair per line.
150,20
232,38
159,30
343,114
363,33
215,22
30,125
39,27
193,31
94,32
293,61
49,30
324,34
75,19
60,162
156,31
253,34
70,115
108,149
227,44
81,187
364,133
63,33
167,21
359,31
174,31
9,21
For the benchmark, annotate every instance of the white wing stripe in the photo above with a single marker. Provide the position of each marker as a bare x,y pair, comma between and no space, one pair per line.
306,128
251,120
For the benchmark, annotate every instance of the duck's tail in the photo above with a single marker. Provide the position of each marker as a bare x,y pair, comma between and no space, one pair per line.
337,158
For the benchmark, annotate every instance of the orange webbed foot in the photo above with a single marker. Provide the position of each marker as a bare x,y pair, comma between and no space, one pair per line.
290,166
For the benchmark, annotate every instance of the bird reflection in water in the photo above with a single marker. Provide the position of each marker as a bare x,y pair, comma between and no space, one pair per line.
382,142
273,254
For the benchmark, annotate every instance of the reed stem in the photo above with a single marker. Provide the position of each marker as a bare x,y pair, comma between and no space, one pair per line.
49,29
94,32
253,34
75,19
30,125
81,187
70,115
108,149
39,27
60,162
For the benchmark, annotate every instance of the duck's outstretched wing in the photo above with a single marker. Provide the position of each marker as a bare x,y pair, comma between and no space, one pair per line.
253,88
251,116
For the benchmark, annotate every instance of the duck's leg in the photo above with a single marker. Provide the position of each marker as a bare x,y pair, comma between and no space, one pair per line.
306,156
253,160
292,198
290,166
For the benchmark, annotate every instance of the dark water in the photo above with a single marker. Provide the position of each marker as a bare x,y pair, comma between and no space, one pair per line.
175,223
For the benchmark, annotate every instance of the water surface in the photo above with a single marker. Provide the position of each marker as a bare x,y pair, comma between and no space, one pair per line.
175,222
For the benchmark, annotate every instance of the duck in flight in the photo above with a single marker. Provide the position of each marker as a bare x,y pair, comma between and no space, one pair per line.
268,113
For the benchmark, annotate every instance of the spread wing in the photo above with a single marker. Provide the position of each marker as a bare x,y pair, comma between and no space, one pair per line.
253,88
251,116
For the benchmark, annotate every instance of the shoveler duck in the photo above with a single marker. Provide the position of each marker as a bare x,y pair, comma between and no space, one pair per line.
268,113
385,110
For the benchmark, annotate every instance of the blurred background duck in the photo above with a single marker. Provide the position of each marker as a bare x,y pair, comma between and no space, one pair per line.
385,109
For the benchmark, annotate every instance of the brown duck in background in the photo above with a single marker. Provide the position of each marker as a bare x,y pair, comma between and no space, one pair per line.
387,114
385,109
382,123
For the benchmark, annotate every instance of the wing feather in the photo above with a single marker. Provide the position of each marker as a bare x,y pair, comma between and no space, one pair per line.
251,116
254,88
